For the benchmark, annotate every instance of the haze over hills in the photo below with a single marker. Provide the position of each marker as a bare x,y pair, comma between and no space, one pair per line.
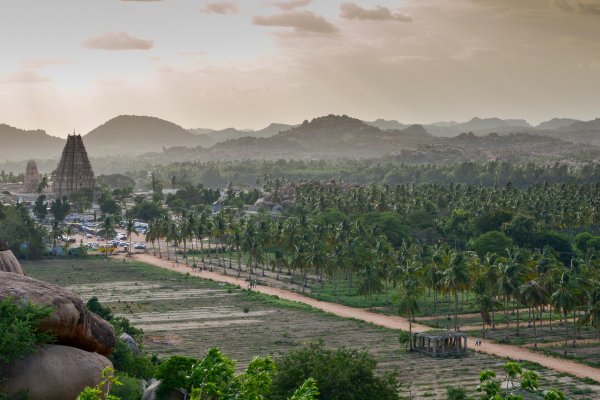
18,144
135,135
324,137
210,137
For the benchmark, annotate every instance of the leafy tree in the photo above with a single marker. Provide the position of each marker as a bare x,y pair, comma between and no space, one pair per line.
60,209
493,242
340,374
40,209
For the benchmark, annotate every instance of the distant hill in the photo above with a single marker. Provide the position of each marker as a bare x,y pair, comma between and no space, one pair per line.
479,126
134,135
578,132
385,125
556,123
17,144
331,136
210,137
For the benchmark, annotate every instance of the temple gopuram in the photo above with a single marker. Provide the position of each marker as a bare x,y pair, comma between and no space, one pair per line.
32,177
74,171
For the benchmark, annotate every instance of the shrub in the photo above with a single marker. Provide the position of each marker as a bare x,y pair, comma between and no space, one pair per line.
94,306
340,374
18,329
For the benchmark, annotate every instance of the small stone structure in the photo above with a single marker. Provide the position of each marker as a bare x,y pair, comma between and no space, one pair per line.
442,344
32,177
74,170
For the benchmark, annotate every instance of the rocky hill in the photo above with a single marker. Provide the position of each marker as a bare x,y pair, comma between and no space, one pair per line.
18,144
134,135
209,137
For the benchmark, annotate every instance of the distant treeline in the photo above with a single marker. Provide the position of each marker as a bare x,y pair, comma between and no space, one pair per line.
381,171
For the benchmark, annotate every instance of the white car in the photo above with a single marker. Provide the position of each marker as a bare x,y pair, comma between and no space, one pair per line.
88,236
140,246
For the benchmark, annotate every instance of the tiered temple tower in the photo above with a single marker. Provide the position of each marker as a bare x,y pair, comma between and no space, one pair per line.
32,177
74,170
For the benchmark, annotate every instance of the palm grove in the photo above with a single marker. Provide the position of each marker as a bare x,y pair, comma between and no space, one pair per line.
431,249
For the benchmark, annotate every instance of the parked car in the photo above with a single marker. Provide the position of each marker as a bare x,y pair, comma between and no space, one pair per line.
89,236
140,246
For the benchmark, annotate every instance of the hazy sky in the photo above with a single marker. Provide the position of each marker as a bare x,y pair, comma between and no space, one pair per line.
73,64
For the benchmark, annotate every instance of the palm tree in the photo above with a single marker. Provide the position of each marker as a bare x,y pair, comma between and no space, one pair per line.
564,299
371,282
107,229
410,290
592,314
534,296
130,228
456,278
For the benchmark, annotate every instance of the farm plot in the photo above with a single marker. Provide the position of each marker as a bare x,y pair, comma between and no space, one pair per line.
186,315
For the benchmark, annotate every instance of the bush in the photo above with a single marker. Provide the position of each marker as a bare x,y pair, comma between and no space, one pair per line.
456,394
172,374
94,306
18,329
341,374
130,388
124,360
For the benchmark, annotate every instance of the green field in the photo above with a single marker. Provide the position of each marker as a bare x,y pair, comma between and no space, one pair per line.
187,315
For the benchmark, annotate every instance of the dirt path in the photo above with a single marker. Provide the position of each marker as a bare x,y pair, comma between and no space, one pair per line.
386,321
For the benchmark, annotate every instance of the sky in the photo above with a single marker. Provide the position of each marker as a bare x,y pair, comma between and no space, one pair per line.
73,64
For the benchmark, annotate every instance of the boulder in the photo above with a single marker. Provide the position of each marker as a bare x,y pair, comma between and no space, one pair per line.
150,393
71,322
9,263
130,342
53,372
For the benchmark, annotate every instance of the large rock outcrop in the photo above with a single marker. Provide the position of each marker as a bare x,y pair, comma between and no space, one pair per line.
71,322
8,261
53,372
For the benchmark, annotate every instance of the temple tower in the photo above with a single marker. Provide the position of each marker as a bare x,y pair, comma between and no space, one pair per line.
74,170
32,177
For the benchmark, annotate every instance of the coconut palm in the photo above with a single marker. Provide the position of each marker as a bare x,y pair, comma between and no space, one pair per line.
534,296
564,300
457,278
409,292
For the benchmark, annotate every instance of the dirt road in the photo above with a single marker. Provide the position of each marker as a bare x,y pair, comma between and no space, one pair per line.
391,322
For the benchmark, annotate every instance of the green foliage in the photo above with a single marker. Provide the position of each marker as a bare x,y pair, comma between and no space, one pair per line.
213,378
130,388
146,210
94,306
390,224
308,391
18,329
493,242
456,394
404,339
103,389
517,381
340,374
213,375
22,235
60,208
172,374
124,360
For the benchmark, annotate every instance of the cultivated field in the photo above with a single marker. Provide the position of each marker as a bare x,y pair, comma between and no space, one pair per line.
186,315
